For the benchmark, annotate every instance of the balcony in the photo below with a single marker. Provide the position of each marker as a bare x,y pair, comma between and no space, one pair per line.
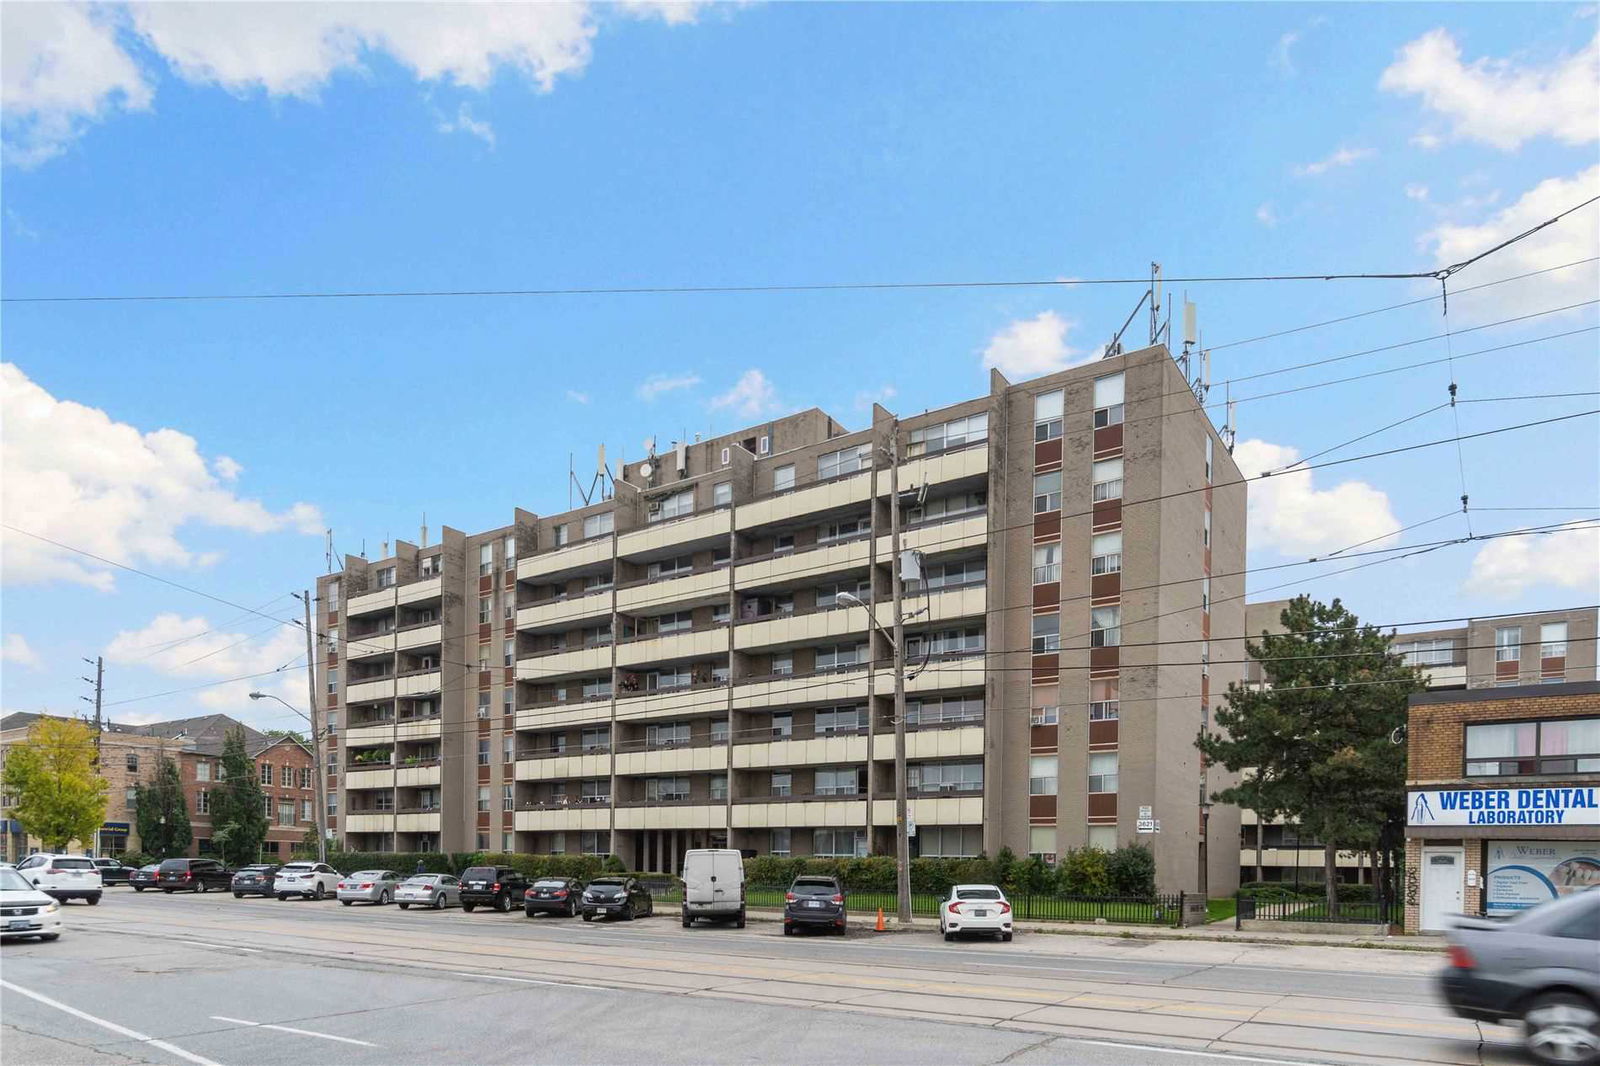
965,809
806,565
565,612
790,507
568,662
704,697
849,748
372,602
687,758
684,815
574,763
418,635
563,818
944,605
844,685
822,626
931,742
370,646
699,643
954,464
412,683
703,585
964,670
675,535
778,812
556,714
421,591
966,531
415,727
587,554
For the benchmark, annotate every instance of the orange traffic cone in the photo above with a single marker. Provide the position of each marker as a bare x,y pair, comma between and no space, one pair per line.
879,926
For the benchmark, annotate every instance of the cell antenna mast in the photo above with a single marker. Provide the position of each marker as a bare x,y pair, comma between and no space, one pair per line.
1155,303
424,540
328,552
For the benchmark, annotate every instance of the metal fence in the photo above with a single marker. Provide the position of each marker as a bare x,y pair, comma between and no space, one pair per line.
1308,909
1135,910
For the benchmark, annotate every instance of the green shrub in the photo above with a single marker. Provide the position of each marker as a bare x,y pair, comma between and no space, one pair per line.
1005,868
1084,872
1132,871
1033,877
613,865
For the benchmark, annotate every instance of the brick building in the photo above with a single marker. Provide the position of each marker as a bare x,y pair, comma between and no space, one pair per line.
1503,799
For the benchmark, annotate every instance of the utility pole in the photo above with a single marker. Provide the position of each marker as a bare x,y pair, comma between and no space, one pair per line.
902,838
99,686
319,770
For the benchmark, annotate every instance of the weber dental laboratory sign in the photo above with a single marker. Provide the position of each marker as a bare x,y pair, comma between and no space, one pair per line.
1504,806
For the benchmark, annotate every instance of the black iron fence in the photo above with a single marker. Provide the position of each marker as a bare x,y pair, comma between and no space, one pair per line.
1288,908
1161,909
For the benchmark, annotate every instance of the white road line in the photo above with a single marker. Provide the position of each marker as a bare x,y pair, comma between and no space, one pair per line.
220,947
291,1029
120,1030
1228,1055
531,981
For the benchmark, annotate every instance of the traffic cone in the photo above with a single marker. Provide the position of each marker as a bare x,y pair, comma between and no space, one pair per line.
879,926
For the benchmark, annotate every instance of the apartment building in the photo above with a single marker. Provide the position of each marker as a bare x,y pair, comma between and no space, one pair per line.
679,664
1547,647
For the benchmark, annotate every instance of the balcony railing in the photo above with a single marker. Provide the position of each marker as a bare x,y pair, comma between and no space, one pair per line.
564,803
802,549
558,753
691,572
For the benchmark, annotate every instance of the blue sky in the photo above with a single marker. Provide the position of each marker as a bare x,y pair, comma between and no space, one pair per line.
233,149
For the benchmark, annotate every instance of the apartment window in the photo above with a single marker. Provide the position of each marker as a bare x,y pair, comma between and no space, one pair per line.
286,812
1047,411
597,636
1104,700
839,843
202,801
1042,775
675,506
484,709
285,777
1046,563
595,739
839,656
951,434
1046,633
719,731
597,525
1440,652
1508,644
850,527
485,610
508,603
305,810
508,651
1205,529
950,710
942,507
1108,400
130,799
782,783
486,558
1507,749
483,751
782,726
1103,771
265,772
838,781
483,656
333,594
131,761
1105,553
593,842
510,549
671,734
1045,715
722,494
1209,447
673,677
669,568
560,535
428,566
1042,842
1106,476
1103,837
266,805
1553,640
508,748
202,771
783,478
385,577
782,665
945,777
946,642
483,799
783,542
333,803
949,841
949,575
333,722
778,842
332,637
666,789
508,800
839,720
844,461
595,688
717,787
764,446
305,776
595,792
677,622
1105,627
1047,492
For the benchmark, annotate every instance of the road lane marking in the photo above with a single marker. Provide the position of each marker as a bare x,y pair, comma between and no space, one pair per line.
291,1029
120,1030
220,947
531,981
1229,1056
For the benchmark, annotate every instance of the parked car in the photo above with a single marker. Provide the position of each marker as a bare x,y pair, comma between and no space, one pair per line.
368,886
26,911
491,886
113,871
309,880
63,877
144,877
552,895
1541,967
192,875
623,897
713,886
975,909
429,890
254,880
814,902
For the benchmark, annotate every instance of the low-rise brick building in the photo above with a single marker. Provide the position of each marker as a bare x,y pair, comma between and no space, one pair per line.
1503,799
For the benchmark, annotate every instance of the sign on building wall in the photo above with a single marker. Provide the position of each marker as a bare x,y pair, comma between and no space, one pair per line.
1504,806
1524,873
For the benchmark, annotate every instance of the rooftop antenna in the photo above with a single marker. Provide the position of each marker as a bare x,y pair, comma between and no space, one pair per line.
1152,294
1190,333
385,554
328,552
424,540
1230,432
1155,303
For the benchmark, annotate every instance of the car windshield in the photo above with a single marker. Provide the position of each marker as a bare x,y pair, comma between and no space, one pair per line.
150,869
978,893
814,888
11,881
72,864
549,883
369,874
480,873
175,866
608,882
423,879
296,868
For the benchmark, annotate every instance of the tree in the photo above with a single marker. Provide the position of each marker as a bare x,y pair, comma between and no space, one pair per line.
292,734
162,813
59,795
1319,734
238,819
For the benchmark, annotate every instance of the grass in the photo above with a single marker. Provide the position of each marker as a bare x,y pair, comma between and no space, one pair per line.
1221,910
924,905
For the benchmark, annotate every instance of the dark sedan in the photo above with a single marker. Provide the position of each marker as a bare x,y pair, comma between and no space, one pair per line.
620,897
113,871
254,880
1541,968
144,877
552,895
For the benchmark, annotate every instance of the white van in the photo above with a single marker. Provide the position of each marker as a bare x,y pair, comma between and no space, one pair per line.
713,886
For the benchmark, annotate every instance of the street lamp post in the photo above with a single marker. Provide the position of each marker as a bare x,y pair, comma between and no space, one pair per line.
316,772
1205,825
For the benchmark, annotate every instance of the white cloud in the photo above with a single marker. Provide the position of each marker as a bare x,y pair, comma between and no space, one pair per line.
75,476
1498,101
227,468
1267,215
1428,142
1416,192
1342,157
652,387
1575,237
577,397
1566,559
465,123
1290,515
751,396
61,67
866,398
1029,347
189,650
1282,57
16,649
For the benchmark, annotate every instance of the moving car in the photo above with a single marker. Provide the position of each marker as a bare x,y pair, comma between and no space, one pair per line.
113,871
62,877
552,895
621,896
429,890
492,886
713,886
254,880
26,911
1541,967
815,902
975,909
192,875
144,877
309,880
368,886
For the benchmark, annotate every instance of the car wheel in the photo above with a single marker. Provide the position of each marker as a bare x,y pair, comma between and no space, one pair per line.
92,900
588,917
788,930
138,888
319,892
405,906
502,902
949,937
49,936
1005,938
572,909
438,902
383,898
347,902
283,897
1564,1029
238,895
166,891
739,922
469,907
628,914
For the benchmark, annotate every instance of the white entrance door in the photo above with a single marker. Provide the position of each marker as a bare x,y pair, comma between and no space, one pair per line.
1443,886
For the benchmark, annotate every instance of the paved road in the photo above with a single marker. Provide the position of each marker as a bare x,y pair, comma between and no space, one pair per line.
213,980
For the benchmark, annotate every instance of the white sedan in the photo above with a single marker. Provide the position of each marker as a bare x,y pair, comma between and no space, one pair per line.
975,909
25,911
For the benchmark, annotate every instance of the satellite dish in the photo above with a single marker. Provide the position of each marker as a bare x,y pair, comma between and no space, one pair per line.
645,470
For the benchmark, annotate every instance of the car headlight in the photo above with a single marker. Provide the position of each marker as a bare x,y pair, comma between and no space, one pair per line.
52,908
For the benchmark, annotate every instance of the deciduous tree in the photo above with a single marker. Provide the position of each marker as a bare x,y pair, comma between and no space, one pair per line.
238,819
58,795
161,812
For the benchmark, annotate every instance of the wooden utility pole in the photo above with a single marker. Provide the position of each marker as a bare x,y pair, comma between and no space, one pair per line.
319,769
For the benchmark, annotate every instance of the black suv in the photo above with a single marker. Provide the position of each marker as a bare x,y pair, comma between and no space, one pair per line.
620,896
814,901
192,875
112,871
254,880
499,887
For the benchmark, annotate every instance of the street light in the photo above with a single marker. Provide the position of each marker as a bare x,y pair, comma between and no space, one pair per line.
1205,835
316,772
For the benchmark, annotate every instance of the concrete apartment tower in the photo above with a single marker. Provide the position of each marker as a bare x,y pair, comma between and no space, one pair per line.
672,666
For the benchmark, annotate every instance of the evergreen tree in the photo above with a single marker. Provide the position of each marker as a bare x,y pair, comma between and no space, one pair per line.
238,819
59,796
1319,735
161,812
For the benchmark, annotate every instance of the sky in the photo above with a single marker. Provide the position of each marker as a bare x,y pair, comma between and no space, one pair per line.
225,149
